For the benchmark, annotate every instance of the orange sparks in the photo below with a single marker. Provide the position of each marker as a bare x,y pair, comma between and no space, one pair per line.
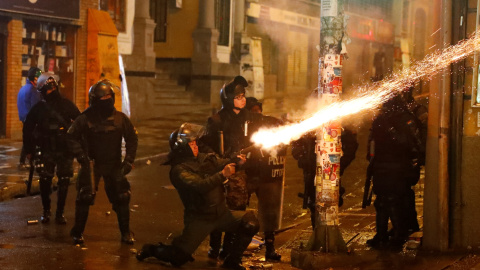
371,95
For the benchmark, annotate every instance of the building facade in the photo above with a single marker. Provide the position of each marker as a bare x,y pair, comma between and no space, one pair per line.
451,218
200,45
54,39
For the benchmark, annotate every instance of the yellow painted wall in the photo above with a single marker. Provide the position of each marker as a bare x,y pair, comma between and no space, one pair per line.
471,112
180,25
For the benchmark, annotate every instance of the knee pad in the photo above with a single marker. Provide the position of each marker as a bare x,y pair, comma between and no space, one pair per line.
86,196
249,224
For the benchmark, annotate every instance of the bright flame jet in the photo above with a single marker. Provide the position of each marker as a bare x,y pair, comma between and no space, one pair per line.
371,95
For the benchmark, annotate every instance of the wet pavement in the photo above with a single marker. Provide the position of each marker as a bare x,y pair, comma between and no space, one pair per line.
153,144
157,216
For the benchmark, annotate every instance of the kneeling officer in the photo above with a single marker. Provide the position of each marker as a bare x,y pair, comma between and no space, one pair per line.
199,180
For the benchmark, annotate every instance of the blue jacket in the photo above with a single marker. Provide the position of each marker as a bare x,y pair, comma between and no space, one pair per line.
27,97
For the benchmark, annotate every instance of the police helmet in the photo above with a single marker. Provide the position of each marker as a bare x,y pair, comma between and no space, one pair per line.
232,89
45,82
251,102
33,73
99,90
187,132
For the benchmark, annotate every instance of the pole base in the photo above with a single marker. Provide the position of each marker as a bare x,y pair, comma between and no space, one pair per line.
327,238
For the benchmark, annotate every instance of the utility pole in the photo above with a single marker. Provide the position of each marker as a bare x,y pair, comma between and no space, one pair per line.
326,236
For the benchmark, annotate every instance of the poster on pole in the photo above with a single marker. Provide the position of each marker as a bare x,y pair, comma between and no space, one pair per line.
329,8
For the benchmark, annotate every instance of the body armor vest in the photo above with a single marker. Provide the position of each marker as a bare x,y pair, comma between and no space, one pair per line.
105,139
52,130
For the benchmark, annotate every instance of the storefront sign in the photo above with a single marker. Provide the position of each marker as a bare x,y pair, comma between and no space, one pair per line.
68,9
282,16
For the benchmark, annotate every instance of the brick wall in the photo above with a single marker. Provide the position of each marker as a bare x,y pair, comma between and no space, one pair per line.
14,78
81,57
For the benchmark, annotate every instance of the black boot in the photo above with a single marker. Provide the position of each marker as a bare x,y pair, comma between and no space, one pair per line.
240,244
128,238
227,246
227,264
215,243
398,218
411,213
45,191
60,219
63,183
270,253
165,253
380,240
77,237
81,216
146,252
45,218
123,216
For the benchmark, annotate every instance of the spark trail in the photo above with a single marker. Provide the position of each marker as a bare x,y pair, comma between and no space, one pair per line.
371,95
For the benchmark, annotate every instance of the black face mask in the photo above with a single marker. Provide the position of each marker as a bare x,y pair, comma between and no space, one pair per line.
105,107
52,96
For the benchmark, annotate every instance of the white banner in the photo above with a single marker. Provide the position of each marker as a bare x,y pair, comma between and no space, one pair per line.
329,8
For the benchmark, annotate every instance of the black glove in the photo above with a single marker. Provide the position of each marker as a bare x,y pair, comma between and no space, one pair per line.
126,167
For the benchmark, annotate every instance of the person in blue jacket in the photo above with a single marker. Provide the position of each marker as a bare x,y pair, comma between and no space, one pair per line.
27,97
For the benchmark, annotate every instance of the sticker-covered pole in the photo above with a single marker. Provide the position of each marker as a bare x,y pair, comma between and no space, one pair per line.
326,235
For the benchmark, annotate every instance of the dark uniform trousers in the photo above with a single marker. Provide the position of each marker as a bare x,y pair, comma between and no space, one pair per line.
117,189
270,201
64,166
197,228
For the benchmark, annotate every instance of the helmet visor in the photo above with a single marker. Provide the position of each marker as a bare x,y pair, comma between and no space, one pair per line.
189,132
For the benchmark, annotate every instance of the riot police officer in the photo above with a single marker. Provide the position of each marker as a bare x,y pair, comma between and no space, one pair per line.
265,174
395,137
227,133
421,115
103,128
199,178
46,127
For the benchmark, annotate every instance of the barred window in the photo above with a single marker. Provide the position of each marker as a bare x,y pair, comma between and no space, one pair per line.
158,12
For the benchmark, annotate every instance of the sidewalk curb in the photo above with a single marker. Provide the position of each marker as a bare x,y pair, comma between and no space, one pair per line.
20,189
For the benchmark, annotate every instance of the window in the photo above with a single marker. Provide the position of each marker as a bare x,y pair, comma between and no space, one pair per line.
158,12
116,9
